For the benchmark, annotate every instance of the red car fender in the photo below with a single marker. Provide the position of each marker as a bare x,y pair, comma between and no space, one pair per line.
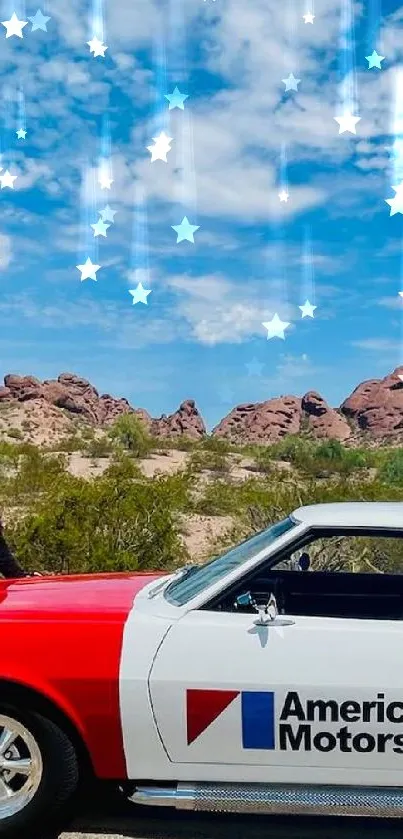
82,684
63,638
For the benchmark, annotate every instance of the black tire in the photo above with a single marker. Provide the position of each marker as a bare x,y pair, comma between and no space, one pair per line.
51,806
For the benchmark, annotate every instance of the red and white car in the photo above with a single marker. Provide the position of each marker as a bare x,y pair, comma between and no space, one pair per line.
243,685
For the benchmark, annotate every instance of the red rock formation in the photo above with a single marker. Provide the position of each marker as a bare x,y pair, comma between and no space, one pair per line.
263,422
323,422
185,422
77,396
23,387
376,406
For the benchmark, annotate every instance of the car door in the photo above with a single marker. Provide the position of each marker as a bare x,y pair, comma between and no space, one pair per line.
313,700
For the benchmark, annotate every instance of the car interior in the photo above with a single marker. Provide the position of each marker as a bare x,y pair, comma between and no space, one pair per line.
299,590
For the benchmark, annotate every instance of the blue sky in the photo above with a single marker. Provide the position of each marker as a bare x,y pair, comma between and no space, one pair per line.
202,325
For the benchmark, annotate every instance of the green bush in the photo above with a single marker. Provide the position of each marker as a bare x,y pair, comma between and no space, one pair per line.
113,523
131,433
391,470
99,447
215,444
73,443
211,461
37,473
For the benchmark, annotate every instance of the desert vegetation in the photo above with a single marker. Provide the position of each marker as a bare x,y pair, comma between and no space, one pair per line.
113,517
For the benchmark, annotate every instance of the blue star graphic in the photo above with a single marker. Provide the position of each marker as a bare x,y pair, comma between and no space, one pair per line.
139,294
291,83
100,228
107,214
176,99
185,230
39,21
254,367
374,60
21,134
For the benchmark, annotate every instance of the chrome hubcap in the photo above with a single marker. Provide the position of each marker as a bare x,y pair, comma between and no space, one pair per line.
21,767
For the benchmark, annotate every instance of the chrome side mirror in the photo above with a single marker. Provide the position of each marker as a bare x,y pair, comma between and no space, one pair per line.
267,609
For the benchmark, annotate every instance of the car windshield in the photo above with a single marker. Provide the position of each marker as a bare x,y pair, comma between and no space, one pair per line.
184,588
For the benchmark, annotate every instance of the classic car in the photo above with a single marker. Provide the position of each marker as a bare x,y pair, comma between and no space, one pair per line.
267,680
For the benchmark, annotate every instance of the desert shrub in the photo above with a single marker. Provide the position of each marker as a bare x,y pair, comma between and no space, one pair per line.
182,444
99,447
292,447
131,433
112,523
391,470
37,473
215,444
73,443
211,461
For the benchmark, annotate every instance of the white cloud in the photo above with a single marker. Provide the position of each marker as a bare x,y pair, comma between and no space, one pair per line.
5,251
379,345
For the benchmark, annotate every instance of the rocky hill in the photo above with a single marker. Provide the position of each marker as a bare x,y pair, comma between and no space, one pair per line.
44,412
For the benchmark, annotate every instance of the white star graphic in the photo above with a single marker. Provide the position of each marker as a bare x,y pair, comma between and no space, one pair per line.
275,327
14,26
347,123
396,203
307,309
97,47
309,17
88,270
21,134
104,181
140,294
7,180
283,195
161,148
100,228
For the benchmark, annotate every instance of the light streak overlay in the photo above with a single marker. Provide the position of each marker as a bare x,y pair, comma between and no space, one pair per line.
308,279
397,131
105,161
88,243
177,59
17,6
186,189
161,112
374,11
348,100
283,168
97,21
21,119
140,260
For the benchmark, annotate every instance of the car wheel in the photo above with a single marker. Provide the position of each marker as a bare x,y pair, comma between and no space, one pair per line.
38,774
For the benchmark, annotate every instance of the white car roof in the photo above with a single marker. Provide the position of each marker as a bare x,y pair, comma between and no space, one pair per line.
387,514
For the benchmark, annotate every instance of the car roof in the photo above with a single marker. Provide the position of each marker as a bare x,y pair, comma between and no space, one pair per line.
374,514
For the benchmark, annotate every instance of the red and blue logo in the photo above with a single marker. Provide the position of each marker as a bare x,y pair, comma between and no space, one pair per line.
203,707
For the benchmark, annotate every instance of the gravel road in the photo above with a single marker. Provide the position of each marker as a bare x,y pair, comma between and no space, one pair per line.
168,824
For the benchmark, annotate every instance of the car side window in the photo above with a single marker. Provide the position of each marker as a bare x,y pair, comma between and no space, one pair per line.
335,576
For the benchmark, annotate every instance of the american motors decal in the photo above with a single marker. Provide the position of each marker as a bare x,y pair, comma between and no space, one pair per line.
292,723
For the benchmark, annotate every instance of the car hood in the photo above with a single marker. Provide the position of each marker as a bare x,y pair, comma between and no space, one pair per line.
88,596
